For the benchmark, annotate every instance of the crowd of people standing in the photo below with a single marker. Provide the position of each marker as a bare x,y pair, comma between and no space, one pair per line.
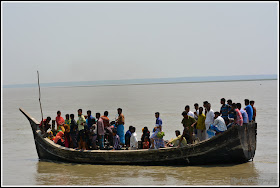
90,132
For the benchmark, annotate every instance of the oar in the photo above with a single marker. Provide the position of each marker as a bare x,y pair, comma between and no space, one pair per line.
40,96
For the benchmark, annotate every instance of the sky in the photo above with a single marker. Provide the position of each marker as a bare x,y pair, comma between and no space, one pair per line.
76,41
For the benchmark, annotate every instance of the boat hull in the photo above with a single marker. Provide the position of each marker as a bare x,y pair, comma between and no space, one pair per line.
236,145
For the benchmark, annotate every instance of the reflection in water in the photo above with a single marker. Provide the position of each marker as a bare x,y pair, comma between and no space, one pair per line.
54,173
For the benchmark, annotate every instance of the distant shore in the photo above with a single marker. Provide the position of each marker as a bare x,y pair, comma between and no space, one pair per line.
165,83
152,81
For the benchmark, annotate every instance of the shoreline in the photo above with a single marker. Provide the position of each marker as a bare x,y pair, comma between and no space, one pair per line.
136,84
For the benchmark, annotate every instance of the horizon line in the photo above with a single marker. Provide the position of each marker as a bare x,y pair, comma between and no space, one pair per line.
150,81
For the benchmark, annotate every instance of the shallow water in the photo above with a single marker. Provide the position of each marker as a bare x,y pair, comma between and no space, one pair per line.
21,165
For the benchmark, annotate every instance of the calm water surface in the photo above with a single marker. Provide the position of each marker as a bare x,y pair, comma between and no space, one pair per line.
21,166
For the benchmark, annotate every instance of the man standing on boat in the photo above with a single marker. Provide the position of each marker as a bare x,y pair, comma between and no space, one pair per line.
238,119
155,140
120,126
107,127
81,127
200,125
73,131
252,103
224,110
243,113
204,105
249,109
100,131
190,113
188,124
90,119
209,117
196,112
231,112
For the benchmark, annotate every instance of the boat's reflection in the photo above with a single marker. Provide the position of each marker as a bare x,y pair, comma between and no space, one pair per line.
57,173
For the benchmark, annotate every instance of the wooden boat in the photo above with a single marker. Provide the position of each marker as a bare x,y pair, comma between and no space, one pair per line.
236,145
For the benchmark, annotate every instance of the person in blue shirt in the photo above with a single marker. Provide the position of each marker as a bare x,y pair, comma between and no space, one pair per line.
155,140
90,119
127,136
231,113
89,122
116,140
225,108
244,113
249,109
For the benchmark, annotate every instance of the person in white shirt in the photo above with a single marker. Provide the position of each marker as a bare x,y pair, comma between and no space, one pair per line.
133,139
204,105
219,124
190,113
196,112
209,117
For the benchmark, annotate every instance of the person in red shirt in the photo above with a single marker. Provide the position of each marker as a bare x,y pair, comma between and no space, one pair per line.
58,138
59,120
238,119
107,127
146,144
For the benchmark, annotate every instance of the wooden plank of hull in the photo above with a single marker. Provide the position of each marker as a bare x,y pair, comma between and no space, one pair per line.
236,145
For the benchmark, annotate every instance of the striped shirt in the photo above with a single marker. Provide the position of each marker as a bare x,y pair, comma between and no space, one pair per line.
225,110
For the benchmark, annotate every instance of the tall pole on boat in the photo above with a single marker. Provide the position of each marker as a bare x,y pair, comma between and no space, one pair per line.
40,96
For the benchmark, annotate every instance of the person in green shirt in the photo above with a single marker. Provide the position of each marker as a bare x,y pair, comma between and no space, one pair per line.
81,127
188,123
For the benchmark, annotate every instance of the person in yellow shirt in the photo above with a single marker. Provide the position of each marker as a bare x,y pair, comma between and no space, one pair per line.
175,142
50,135
200,125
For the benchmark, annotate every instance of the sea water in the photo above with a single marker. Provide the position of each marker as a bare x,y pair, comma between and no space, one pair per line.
21,166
